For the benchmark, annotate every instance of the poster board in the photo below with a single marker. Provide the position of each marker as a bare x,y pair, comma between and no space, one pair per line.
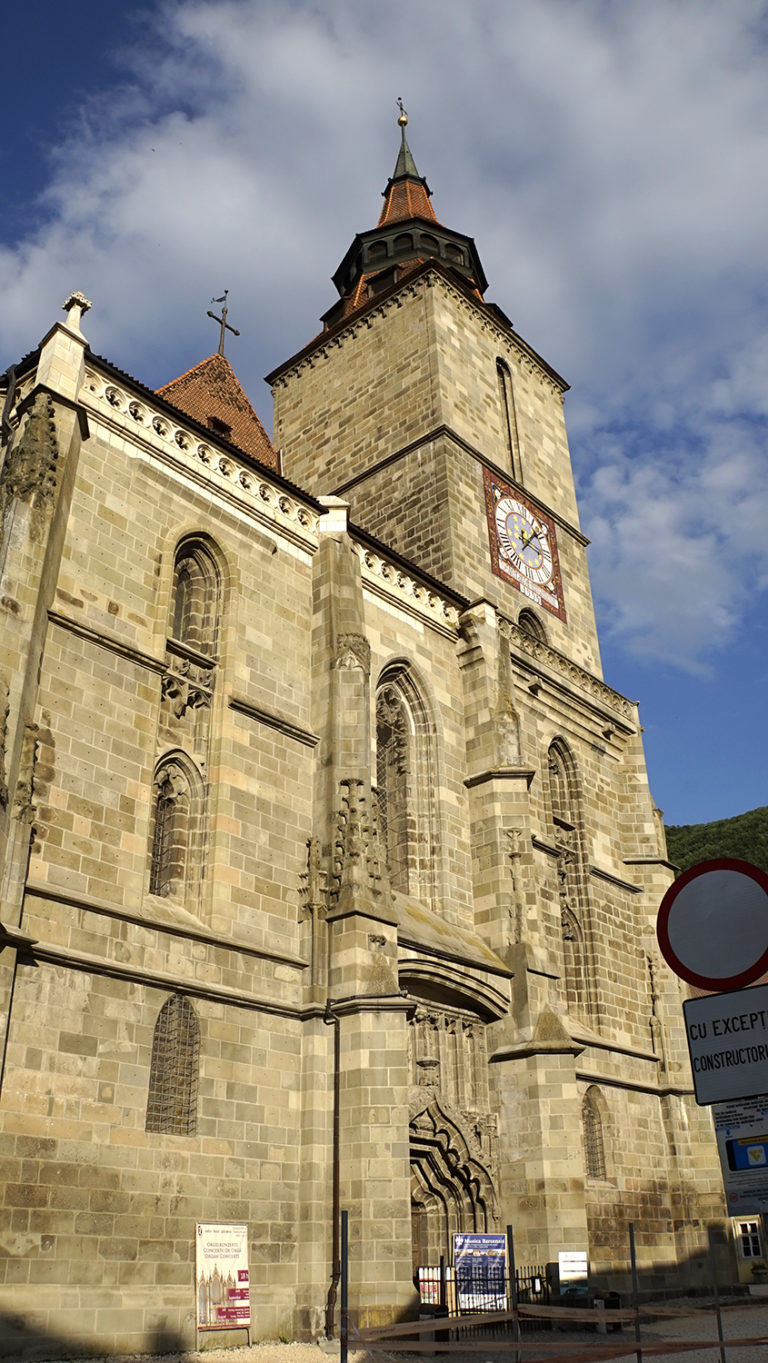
480,1271
742,1142
222,1280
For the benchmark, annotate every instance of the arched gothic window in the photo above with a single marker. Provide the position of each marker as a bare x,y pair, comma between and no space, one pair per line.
593,1134
193,629
196,593
573,959
174,1069
565,806
563,785
509,417
177,795
529,621
405,781
393,765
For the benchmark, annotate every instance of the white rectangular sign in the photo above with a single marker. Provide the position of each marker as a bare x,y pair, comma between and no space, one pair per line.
742,1143
728,1043
221,1277
572,1265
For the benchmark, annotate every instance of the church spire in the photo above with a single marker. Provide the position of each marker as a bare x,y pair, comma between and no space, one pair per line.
405,164
407,193
406,238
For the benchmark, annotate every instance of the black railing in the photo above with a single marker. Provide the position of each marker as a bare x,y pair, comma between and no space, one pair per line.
471,1290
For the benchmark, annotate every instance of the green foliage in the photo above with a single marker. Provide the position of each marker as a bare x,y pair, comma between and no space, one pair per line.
744,836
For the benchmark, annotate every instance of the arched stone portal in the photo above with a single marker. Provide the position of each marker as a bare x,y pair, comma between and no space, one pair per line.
451,1186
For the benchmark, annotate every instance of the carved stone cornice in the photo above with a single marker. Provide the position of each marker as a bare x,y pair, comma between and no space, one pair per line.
153,430
428,276
571,672
389,580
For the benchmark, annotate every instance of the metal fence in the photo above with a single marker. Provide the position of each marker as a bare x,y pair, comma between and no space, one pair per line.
472,1289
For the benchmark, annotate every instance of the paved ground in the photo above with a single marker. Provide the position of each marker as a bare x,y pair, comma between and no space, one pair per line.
748,1319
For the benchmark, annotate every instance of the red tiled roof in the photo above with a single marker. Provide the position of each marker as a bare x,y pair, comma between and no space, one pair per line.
406,199
211,394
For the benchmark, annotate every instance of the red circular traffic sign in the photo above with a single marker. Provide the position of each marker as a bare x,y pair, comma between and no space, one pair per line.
713,924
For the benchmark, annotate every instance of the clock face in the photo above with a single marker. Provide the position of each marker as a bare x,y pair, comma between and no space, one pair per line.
523,545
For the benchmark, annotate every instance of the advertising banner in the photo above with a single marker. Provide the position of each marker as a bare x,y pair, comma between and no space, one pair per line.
480,1268
221,1274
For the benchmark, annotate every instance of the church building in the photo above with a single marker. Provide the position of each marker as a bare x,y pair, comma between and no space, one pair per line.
330,868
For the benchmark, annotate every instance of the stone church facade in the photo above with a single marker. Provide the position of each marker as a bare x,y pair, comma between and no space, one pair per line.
330,866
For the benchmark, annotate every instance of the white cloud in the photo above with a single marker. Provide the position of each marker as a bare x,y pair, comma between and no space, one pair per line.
608,156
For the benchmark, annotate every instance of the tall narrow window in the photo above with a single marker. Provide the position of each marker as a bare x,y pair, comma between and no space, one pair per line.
573,959
561,786
405,781
173,1076
565,805
392,780
190,653
592,1127
177,798
195,597
509,417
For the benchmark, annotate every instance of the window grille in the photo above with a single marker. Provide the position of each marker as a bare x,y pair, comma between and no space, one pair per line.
173,1079
594,1148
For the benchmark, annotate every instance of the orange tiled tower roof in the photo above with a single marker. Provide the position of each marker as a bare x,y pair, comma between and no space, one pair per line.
210,393
407,193
406,235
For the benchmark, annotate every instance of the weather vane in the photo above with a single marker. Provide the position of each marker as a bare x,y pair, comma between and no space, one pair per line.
222,321
403,119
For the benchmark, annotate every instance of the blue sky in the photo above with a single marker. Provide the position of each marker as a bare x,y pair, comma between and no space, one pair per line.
609,158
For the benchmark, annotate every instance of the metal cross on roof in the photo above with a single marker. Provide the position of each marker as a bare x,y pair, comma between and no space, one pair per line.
222,321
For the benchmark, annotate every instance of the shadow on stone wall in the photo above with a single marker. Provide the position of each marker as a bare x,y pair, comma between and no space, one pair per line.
23,1344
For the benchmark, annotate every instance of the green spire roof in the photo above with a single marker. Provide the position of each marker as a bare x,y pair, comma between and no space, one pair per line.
405,164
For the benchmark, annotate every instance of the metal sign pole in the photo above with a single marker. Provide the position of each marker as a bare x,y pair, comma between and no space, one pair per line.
635,1291
716,1293
344,1287
513,1294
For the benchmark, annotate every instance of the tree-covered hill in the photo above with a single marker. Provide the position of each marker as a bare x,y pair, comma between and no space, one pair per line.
744,836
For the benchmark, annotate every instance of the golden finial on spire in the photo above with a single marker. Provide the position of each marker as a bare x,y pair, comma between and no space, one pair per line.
403,119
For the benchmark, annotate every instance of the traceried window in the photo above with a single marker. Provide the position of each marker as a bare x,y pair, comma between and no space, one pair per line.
393,757
565,806
592,1128
177,798
170,835
573,957
174,1069
405,781
195,597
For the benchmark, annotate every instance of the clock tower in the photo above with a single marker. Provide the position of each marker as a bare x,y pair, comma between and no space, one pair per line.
422,407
